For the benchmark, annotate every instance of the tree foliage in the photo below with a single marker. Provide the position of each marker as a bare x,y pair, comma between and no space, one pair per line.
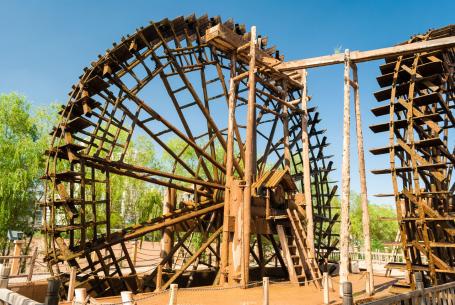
380,230
23,139
134,201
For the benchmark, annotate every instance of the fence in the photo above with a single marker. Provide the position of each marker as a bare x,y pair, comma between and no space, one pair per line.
8,297
377,257
441,295
21,265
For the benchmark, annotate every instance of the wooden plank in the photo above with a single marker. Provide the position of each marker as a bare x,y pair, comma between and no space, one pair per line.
362,56
287,256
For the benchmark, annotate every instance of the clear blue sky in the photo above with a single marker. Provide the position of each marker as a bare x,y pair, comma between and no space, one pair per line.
45,45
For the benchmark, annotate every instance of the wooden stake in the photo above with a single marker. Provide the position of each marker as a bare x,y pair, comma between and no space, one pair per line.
72,283
265,291
80,295
127,297
173,294
363,186
325,285
307,169
344,231
250,161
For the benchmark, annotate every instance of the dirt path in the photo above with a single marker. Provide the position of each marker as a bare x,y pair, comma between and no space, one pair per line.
280,294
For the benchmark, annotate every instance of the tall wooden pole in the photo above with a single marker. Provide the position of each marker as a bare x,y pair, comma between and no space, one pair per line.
345,179
287,150
363,185
228,182
306,167
167,239
250,157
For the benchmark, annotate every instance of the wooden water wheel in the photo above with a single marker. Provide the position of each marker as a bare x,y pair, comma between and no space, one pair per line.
170,80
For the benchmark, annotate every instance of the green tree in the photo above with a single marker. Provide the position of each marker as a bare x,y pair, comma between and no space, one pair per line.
381,231
23,139
134,201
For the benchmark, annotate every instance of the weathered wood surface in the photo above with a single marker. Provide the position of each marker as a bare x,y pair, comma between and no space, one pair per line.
362,56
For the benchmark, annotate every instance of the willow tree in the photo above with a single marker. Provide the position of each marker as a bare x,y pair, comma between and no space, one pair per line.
23,138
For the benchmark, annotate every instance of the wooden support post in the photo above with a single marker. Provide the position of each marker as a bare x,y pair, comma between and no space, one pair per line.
127,297
265,291
346,186
108,204
80,295
167,240
363,185
420,286
347,293
4,275
72,283
32,265
325,285
285,118
173,294
15,266
159,277
250,162
260,254
228,182
136,242
52,296
306,168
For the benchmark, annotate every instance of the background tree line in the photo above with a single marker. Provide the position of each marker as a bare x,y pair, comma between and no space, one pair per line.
25,135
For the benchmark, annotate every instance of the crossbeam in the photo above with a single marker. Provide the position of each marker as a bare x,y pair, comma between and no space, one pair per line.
362,56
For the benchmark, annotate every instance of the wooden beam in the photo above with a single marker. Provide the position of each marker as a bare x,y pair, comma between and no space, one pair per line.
345,177
306,166
250,162
193,258
229,174
362,56
363,184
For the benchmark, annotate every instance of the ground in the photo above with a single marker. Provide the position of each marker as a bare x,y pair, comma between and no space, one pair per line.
280,294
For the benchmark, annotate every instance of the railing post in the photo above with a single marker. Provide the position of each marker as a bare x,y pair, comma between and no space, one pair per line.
347,294
80,295
173,294
265,290
420,286
325,285
15,266
127,297
53,286
72,283
4,275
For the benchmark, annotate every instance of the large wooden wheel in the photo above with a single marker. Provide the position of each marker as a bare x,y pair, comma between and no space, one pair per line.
419,90
164,82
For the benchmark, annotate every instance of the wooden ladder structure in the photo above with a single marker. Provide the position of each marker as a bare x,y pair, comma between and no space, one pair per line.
302,266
